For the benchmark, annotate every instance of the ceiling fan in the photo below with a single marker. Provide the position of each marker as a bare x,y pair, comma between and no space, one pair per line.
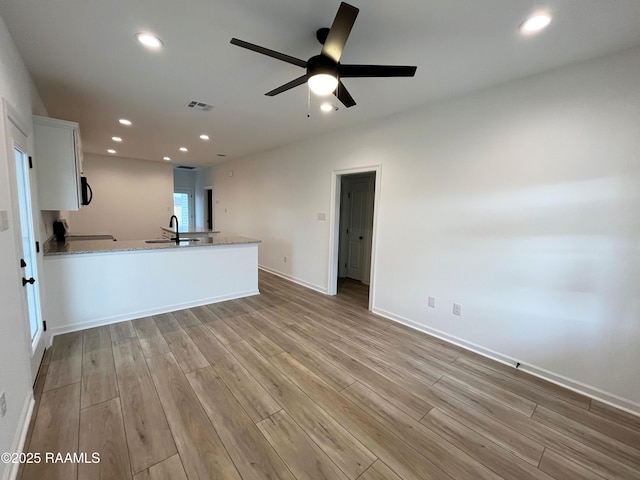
324,71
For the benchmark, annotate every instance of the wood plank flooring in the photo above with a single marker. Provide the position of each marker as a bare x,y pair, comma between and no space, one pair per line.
291,384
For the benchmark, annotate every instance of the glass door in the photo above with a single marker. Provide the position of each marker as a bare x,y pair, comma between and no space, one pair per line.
29,260
183,208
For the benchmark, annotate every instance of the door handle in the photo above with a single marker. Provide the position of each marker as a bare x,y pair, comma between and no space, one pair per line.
25,281
360,238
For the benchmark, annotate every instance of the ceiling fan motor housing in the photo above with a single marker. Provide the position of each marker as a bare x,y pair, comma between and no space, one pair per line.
321,35
321,64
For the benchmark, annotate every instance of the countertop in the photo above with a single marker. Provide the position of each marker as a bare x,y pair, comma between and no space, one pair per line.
52,247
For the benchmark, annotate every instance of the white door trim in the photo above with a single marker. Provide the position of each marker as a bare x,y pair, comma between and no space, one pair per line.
334,227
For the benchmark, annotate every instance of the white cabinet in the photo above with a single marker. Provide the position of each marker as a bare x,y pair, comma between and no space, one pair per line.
58,156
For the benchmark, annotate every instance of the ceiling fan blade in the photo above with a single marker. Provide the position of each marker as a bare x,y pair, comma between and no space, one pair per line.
269,53
350,71
287,86
339,32
344,96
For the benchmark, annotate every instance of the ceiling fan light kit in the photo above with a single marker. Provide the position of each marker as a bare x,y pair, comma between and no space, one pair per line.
324,71
322,83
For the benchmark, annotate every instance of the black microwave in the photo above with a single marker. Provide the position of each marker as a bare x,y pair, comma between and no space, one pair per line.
87,193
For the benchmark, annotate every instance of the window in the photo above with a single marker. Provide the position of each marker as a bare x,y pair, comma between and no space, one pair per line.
181,209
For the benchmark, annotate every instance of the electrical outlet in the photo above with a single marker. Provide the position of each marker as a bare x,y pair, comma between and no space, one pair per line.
457,309
3,405
432,302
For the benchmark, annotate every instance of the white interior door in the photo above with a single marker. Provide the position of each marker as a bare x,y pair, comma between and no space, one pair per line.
358,198
24,177
356,211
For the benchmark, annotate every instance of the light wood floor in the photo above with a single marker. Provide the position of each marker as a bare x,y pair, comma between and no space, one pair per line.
292,384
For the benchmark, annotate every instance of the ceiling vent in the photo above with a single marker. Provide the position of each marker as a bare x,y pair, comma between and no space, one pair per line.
205,107
185,167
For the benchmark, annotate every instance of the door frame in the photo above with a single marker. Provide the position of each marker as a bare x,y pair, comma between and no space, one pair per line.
334,227
9,117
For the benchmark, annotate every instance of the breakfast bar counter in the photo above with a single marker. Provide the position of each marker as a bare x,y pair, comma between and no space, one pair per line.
100,282
103,246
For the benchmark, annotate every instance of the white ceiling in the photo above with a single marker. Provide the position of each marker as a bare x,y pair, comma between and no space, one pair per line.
88,67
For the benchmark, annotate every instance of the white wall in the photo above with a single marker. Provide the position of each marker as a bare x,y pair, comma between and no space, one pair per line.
132,198
202,181
520,202
15,376
184,179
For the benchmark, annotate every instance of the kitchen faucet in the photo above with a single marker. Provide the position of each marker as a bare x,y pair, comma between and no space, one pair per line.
177,239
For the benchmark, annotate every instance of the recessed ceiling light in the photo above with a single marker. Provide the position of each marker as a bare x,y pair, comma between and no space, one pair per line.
535,23
116,139
148,40
204,136
183,149
111,151
166,158
124,121
328,107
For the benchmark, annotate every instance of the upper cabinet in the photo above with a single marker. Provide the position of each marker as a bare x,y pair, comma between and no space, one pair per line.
58,155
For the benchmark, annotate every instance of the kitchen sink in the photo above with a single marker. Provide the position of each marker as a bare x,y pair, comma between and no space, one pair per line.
168,240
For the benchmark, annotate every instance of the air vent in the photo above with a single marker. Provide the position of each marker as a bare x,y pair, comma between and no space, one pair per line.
184,167
205,107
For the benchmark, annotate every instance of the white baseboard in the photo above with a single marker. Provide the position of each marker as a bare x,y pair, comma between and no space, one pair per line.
592,392
286,276
11,470
145,313
574,385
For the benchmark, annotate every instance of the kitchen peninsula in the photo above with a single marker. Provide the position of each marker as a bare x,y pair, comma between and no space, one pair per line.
98,282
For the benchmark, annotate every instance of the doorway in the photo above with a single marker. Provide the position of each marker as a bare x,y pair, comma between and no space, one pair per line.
356,226
22,179
353,229
208,211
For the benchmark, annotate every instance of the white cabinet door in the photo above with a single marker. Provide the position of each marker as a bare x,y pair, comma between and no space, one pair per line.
58,161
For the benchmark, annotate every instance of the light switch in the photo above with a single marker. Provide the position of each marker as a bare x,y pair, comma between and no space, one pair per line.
4,220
